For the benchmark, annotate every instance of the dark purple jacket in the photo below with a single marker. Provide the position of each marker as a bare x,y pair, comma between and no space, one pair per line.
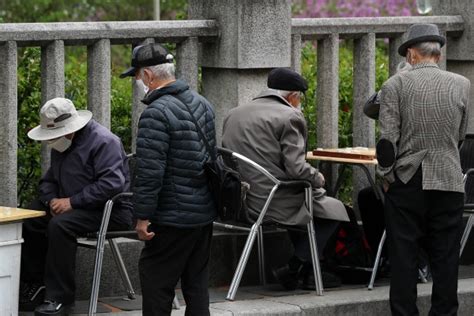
90,172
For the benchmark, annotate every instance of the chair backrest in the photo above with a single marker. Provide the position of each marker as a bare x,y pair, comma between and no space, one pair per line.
466,153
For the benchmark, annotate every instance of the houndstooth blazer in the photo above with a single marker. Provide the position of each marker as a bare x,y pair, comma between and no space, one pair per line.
423,113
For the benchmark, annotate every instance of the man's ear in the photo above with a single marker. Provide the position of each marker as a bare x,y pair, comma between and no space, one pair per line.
148,75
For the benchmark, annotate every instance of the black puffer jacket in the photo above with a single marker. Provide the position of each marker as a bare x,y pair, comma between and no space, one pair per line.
170,187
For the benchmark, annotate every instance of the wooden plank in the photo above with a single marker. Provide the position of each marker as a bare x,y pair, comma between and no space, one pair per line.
12,214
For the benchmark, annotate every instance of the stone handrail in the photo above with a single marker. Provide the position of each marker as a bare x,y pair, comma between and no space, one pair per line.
84,33
382,26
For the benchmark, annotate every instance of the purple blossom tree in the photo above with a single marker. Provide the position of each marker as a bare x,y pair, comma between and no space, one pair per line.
355,8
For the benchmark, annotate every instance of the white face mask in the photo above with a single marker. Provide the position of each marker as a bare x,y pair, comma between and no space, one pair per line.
61,144
143,86
299,106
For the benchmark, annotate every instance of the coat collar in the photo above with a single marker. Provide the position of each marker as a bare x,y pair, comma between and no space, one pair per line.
425,65
174,88
269,93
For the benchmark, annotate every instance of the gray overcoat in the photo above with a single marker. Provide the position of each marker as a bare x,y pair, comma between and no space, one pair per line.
272,133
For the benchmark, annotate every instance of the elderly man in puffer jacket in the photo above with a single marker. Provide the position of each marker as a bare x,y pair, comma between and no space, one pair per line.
172,202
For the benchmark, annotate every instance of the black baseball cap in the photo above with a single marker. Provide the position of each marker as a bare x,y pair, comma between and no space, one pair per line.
147,55
286,79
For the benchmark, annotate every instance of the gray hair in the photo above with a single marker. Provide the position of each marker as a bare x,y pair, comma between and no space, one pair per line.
428,49
162,72
283,93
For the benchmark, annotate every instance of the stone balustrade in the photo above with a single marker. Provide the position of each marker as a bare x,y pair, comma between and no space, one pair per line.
98,38
239,69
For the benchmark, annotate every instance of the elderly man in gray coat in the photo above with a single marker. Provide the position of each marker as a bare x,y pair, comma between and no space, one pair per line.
271,130
423,117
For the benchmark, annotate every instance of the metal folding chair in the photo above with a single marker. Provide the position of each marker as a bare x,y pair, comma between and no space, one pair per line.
468,208
256,232
466,153
102,236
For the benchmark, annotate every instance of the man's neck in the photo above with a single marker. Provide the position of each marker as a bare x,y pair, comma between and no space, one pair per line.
161,84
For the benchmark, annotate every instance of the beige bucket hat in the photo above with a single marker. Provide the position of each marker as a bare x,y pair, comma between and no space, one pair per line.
59,117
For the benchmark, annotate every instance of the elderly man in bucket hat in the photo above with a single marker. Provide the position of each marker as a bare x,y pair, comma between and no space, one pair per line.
88,166
423,117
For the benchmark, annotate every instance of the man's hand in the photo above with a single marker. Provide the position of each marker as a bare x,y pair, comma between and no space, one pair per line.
59,206
321,179
142,230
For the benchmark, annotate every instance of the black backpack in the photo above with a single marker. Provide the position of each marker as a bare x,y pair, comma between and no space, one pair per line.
348,253
224,182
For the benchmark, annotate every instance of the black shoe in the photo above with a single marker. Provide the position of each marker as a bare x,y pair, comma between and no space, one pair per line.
329,281
52,308
286,277
31,295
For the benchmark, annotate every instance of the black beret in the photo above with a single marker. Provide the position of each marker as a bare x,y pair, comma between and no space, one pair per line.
286,79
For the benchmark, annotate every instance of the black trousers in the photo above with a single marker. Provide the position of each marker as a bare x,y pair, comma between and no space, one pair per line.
48,253
324,229
428,218
172,254
373,218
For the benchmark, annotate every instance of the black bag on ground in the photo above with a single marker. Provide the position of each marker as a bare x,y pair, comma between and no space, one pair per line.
224,182
348,253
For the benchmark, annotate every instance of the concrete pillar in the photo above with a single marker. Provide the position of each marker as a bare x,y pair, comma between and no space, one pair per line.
8,124
327,100
98,81
460,51
52,84
187,63
137,105
393,57
296,46
363,129
255,36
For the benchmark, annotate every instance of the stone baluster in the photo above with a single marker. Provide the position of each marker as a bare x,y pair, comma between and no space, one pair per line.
327,95
137,105
393,57
52,84
296,46
363,128
98,81
8,124
187,55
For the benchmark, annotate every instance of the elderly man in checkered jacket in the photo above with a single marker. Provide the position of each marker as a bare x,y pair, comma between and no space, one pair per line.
423,117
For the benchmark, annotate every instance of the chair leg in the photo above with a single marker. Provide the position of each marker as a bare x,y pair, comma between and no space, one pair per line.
318,281
466,233
122,269
176,304
261,257
242,262
377,260
99,256
315,258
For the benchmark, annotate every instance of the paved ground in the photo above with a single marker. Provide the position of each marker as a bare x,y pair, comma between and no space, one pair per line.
271,300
